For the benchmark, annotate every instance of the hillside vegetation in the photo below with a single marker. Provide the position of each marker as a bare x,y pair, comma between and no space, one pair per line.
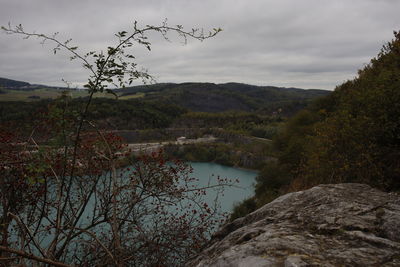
210,97
352,135
8,83
198,97
239,108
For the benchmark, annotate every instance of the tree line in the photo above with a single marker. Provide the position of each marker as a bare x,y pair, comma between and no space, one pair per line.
351,135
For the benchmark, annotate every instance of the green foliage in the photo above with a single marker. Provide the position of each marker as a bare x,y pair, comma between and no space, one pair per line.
133,113
252,155
267,132
272,178
202,152
271,183
239,122
108,113
360,140
244,208
209,97
352,135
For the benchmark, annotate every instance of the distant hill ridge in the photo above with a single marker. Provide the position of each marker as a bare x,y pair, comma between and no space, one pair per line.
211,97
8,83
202,97
14,84
229,85
24,86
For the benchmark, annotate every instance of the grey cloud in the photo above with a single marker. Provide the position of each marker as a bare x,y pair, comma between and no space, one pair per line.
309,43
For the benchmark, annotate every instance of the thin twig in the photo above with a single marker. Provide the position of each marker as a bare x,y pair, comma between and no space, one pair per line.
25,228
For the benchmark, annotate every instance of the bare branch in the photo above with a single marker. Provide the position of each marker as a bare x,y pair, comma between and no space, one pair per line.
26,255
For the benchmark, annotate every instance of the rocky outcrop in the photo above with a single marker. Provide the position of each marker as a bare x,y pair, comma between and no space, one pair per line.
328,225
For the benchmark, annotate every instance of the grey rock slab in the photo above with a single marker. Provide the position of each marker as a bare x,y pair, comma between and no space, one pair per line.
327,225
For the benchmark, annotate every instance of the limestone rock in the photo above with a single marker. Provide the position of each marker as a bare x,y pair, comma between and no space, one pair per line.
328,225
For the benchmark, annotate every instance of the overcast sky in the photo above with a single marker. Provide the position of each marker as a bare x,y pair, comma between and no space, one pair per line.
288,43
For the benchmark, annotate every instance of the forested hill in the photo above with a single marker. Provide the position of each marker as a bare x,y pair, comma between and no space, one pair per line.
12,84
352,135
9,84
204,97
210,97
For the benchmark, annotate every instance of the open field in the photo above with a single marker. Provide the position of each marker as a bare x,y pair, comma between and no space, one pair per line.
137,95
45,93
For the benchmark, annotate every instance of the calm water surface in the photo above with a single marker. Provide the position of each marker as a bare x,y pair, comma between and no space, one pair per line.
206,171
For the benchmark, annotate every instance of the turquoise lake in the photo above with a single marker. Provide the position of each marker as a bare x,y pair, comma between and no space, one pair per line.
206,171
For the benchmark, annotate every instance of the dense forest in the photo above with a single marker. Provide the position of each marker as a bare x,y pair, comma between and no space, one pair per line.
239,107
351,135
210,97
198,97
